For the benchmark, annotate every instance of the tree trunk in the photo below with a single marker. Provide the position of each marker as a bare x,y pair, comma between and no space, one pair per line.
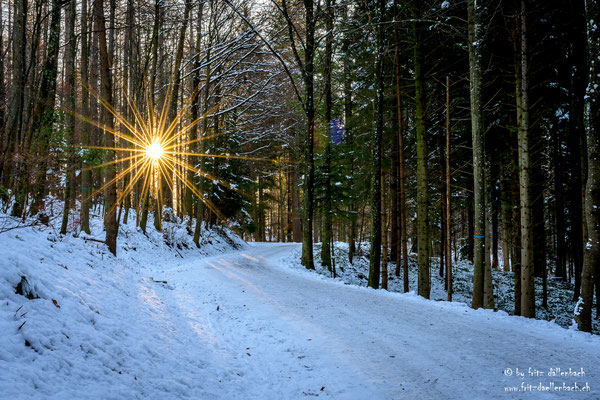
591,257
353,210
576,135
477,130
71,134
448,209
402,220
327,211
384,233
110,219
193,134
375,256
424,283
561,254
309,76
527,266
86,175
14,123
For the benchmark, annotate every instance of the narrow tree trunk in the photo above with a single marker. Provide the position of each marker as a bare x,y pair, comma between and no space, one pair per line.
448,209
401,175
561,253
86,176
506,223
193,135
326,235
441,147
384,233
375,256
353,209
14,125
71,134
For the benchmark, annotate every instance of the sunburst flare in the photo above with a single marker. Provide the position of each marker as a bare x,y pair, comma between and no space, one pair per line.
152,149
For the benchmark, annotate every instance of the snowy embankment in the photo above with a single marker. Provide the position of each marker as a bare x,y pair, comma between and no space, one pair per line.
158,322
77,322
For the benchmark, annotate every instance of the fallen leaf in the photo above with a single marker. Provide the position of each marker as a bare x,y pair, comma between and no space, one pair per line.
322,388
55,303
248,354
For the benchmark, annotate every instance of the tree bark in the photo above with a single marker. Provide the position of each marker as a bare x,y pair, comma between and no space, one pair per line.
477,131
402,220
71,93
86,181
591,257
424,283
110,219
309,76
527,266
327,211
448,209
377,143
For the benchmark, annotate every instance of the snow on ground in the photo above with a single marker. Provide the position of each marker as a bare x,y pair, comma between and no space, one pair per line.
160,323
560,293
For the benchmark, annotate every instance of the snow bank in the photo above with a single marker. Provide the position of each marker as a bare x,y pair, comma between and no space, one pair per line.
83,324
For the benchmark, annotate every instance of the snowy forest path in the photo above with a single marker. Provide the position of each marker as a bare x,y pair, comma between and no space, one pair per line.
288,333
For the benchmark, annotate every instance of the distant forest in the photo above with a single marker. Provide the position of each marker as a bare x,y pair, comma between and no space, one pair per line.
444,129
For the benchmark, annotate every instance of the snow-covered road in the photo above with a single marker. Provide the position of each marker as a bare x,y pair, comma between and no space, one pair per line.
275,332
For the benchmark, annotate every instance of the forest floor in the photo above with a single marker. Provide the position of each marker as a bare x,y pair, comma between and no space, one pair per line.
559,309
243,321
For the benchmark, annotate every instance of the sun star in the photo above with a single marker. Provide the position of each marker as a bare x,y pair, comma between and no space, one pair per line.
155,151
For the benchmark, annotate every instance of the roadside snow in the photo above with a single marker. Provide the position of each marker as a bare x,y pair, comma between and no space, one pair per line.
560,306
98,326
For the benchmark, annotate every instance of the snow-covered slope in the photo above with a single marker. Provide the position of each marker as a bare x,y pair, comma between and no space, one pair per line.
156,323
94,325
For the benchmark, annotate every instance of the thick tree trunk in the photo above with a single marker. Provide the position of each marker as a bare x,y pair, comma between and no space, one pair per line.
309,106
110,220
424,283
527,265
591,257
478,133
